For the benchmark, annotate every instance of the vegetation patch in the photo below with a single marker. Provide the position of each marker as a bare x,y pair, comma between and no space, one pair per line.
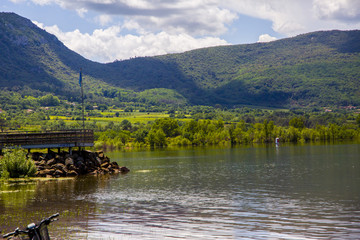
15,164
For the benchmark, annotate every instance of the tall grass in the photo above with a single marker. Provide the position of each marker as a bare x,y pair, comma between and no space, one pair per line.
15,164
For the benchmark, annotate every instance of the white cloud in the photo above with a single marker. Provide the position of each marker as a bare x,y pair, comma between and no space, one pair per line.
164,26
212,17
107,45
337,9
81,12
266,38
299,16
42,2
103,20
195,17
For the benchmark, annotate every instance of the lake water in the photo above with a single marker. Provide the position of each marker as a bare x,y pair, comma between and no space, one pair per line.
257,192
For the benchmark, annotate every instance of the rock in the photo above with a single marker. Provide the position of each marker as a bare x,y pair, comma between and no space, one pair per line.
114,165
51,162
72,167
90,164
60,166
39,174
90,155
58,173
124,170
71,173
100,154
84,162
69,161
79,159
79,164
98,161
95,172
41,163
105,165
106,159
49,171
40,167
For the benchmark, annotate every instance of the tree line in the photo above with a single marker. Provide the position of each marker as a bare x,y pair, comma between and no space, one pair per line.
172,132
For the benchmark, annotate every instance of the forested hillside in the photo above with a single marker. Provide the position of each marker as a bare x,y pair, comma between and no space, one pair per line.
321,69
315,69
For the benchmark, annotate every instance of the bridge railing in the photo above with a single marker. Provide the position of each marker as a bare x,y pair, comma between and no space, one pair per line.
48,139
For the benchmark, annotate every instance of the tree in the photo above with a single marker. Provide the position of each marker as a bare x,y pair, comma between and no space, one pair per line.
140,135
297,122
125,125
169,126
156,138
49,100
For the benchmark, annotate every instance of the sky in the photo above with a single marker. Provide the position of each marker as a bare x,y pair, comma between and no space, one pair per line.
109,30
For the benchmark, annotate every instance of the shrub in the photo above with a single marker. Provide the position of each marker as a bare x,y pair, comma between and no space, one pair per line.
14,164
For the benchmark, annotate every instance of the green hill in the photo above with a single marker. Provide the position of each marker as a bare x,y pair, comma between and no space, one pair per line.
314,69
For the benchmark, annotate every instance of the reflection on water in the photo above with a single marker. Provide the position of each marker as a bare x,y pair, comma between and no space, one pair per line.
289,192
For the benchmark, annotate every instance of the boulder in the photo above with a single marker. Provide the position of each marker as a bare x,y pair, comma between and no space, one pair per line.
84,162
124,170
58,173
41,163
114,165
106,159
105,165
69,161
71,173
98,161
79,159
100,154
60,166
49,171
72,167
51,162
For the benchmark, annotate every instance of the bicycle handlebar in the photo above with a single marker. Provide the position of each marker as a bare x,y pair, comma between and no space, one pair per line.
46,221
16,232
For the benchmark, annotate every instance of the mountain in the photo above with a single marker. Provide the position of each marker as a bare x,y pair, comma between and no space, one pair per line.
314,69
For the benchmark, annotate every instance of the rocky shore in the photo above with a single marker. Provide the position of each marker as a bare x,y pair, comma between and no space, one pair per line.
83,162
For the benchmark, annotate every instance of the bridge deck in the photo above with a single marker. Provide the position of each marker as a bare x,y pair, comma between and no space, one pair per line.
49,139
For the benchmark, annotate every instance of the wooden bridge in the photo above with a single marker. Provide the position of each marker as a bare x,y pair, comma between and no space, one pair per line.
48,139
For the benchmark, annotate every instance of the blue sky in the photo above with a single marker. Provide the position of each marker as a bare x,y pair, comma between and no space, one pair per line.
108,30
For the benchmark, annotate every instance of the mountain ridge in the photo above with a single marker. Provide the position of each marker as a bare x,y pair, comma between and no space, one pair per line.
283,73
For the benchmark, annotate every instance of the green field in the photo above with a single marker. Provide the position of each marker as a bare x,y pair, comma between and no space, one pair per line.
109,116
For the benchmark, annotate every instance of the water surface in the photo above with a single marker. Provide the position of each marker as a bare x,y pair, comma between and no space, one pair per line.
263,192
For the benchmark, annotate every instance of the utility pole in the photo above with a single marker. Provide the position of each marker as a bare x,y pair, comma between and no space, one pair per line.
82,98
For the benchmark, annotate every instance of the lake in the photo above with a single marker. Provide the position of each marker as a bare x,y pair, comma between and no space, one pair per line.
309,191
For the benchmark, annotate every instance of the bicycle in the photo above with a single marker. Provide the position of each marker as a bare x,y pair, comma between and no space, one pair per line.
33,231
